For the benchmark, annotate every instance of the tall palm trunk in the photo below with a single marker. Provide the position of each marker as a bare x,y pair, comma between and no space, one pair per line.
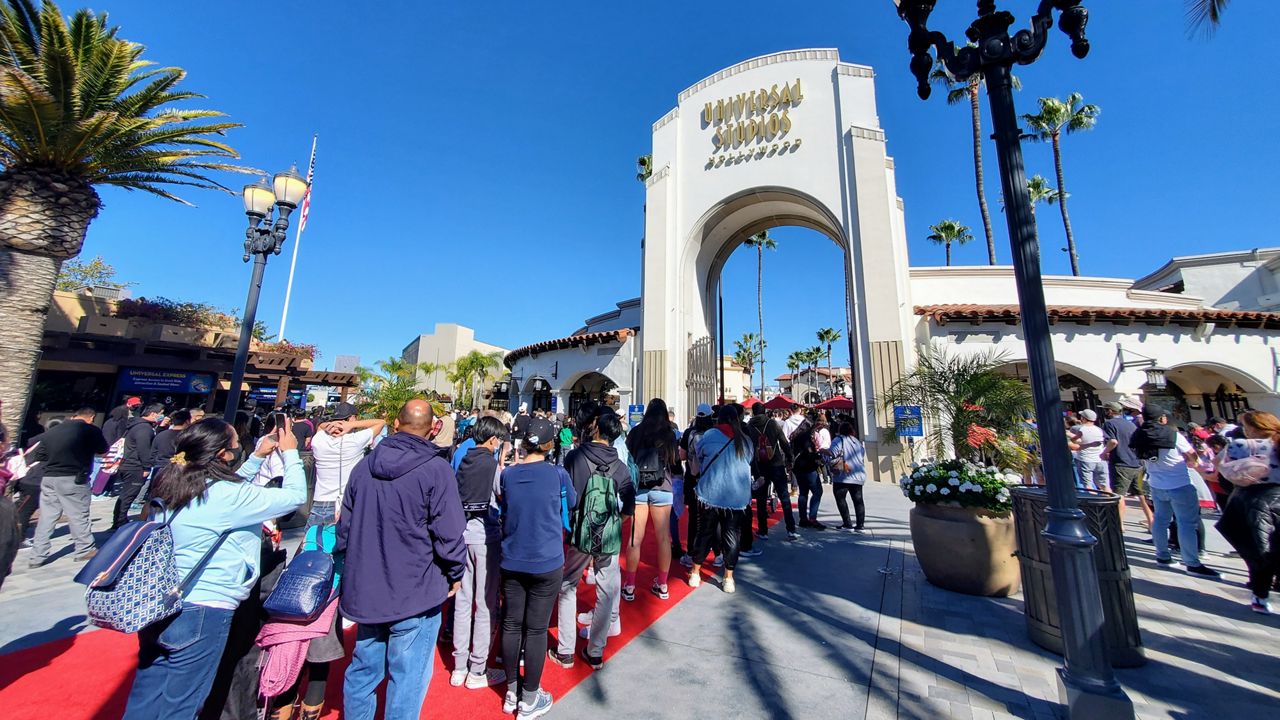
43,219
760,309
975,106
1062,204
831,387
948,254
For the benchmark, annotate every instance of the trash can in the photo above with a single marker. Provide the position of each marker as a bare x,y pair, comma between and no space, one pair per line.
1040,604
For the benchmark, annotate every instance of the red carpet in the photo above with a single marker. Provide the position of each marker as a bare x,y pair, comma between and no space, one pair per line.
88,676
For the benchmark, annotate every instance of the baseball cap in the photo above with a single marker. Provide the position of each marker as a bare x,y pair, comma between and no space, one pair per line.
1130,404
704,410
133,402
1089,415
1114,407
1153,412
342,411
540,431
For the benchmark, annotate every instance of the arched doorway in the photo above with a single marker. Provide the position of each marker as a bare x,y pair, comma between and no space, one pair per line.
723,170
1196,392
539,392
1079,390
589,386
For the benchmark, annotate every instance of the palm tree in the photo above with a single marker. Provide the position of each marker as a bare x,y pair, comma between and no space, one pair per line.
747,351
828,337
481,366
79,108
971,91
1205,14
794,361
761,241
947,232
957,391
1041,192
1055,117
812,357
384,391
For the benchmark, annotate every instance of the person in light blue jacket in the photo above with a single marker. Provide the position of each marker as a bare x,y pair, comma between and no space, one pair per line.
178,657
724,492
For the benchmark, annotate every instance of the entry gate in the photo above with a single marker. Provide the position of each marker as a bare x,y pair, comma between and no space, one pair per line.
701,384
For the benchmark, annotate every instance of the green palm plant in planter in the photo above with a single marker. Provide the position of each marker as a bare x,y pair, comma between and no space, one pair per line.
962,525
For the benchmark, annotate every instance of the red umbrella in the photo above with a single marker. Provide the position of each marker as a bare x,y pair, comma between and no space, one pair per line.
838,402
779,402
749,402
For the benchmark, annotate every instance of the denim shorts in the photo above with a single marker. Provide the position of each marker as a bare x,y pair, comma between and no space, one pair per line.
655,497
322,513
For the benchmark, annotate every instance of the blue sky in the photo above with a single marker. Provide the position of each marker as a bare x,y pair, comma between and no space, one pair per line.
476,160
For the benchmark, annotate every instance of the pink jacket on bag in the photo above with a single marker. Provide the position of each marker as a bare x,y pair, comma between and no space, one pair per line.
284,650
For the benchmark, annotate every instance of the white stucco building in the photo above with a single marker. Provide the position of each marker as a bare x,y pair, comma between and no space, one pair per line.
444,345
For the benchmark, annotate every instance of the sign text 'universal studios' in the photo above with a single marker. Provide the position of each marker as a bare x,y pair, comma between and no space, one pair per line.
753,124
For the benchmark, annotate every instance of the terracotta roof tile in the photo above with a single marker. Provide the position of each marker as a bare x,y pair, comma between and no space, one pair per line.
942,314
583,340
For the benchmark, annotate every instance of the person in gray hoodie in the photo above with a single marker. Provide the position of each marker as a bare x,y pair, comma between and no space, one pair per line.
594,455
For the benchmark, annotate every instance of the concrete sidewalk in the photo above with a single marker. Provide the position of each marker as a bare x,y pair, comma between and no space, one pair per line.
845,626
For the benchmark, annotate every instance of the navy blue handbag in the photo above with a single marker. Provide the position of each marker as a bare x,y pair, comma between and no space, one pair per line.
304,588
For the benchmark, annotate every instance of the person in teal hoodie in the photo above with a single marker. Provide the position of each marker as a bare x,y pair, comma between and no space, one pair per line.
178,656
724,492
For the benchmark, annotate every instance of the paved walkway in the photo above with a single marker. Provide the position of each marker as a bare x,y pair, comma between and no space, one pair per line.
844,626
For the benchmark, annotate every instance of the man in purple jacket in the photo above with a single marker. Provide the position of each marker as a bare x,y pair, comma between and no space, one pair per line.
402,531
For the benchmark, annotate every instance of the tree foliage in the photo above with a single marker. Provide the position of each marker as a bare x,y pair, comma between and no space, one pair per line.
77,99
77,273
384,390
956,392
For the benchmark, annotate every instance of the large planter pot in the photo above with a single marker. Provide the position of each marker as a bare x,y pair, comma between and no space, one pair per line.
966,550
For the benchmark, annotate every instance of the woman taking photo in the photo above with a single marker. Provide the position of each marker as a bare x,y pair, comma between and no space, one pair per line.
655,457
724,492
534,496
848,475
178,656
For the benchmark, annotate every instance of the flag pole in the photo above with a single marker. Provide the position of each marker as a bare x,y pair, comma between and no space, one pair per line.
297,238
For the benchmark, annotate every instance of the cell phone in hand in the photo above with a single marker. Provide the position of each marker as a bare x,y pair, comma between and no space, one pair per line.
278,420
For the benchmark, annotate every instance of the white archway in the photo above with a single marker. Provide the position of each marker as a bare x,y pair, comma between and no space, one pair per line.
725,168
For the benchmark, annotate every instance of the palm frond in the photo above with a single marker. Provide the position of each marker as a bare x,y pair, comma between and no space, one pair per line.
76,98
1204,16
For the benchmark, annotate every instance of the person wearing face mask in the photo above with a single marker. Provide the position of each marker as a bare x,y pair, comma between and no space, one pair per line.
204,498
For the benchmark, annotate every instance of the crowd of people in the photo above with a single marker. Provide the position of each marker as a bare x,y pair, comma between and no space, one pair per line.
1172,473
470,528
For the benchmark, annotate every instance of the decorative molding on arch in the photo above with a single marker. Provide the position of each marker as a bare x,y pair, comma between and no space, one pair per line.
672,115
762,61
1246,381
861,71
875,134
661,174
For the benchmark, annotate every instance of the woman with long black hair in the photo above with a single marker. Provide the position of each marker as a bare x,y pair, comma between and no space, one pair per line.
724,492
655,457
205,499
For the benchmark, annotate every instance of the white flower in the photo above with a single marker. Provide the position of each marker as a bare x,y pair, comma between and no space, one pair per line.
953,482
945,491
931,488
916,489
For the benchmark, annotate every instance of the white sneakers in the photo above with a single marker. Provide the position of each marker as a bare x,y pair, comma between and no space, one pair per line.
695,580
585,619
728,586
475,681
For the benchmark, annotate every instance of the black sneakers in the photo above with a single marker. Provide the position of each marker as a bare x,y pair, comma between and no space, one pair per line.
593,662
1203,571
564,661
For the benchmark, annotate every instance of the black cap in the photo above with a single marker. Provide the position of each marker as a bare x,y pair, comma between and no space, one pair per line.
342,411
540,432
1151,411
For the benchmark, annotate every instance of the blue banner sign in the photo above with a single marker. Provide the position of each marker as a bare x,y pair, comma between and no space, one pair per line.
169,381
909,420
635,413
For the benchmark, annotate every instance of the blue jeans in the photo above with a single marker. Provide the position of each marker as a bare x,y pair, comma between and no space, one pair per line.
177,660
810,494
401,651
1184,505
322,513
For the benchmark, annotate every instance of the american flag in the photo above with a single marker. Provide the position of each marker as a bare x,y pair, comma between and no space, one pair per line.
306,199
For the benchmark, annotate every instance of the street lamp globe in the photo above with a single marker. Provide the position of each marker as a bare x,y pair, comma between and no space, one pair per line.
258,199
289,187
1156,377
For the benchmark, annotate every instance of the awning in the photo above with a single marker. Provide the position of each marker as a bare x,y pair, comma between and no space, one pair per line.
839,402
780,402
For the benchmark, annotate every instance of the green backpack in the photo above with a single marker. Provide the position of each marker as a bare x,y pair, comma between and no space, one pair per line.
597,526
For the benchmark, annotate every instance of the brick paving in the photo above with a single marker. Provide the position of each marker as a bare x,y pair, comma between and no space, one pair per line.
846,626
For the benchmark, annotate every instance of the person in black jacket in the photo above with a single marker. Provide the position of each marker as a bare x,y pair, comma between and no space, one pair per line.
1251,521
775,471
135,464
163,447
118,420
65,454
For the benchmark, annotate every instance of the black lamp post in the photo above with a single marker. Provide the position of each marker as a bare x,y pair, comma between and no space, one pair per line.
1086,683
262,238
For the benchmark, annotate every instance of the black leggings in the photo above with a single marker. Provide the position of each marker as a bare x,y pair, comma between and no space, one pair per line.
317,675
718,524
526,616
860,510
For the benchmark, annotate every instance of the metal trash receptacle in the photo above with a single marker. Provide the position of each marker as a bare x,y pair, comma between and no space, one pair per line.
1040,605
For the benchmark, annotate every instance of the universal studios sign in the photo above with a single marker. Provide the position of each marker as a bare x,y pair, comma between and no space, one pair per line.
752,125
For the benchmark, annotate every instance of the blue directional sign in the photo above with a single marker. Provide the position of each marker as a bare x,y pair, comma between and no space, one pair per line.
909,420
635,413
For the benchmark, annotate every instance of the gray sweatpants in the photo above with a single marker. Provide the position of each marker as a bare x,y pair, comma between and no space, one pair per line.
608,594
62,495
473,633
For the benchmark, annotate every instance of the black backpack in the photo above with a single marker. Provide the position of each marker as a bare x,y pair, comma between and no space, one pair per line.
651,471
